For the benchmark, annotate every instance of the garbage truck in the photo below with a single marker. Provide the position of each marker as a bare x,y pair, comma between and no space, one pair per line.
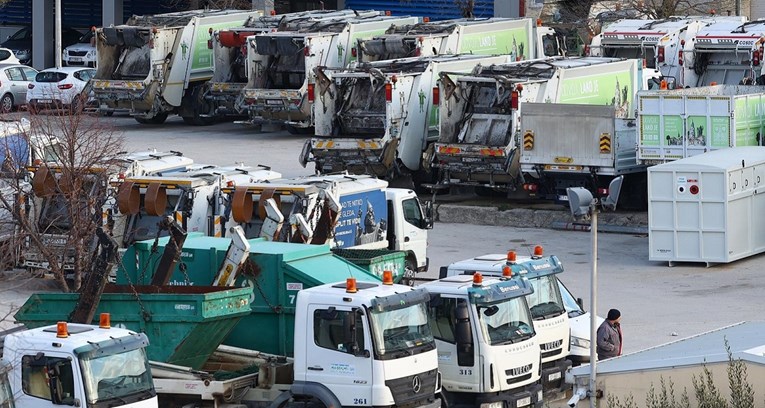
518,37
660,43
77,365
342,210
548,312
487,346
189,196
230,65
681,123
281,86
379,117
581,146
157,65
480,134
727,52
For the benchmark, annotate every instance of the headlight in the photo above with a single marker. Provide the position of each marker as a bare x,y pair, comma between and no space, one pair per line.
91,53
497,404
580,342
22,52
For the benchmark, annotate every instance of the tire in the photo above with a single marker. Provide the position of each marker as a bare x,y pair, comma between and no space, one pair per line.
6,103
410,270
157,119
199,106
300,131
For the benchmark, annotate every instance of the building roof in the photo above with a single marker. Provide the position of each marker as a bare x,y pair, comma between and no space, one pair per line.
746,340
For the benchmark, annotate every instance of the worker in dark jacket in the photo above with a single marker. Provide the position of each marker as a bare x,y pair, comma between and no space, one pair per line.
610,336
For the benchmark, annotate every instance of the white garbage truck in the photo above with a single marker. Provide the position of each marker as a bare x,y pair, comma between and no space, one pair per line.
157,65
341,210
230,50
379,117
75,365
728,52
548,311
281,86
488,350
480,133
518,37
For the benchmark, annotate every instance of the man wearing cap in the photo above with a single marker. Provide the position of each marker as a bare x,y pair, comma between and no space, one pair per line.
610,336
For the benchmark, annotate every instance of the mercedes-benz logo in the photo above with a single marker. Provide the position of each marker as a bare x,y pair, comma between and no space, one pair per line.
416,384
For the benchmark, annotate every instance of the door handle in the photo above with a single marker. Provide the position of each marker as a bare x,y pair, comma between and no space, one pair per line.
406,239
316,368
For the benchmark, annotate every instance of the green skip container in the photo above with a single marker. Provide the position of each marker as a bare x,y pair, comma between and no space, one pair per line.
184,324
376,261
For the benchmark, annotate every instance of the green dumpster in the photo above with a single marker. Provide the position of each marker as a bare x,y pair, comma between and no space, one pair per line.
376,261
185,324
277,271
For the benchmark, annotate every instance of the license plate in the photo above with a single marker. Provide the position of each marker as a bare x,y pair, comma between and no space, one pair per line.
274,102
75,59
523,402
54,241
562,198
553,377
44,100
471,159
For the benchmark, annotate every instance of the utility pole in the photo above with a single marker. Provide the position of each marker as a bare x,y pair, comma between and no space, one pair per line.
58,34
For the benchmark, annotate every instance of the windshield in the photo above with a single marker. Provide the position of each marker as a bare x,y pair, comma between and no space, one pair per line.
401,329
6,396
119,377
546,301
505,322
22,34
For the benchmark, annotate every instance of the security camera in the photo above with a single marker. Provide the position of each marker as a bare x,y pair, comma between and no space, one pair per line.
578,395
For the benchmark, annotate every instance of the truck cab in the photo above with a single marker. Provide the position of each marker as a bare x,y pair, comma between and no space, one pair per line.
487,347
6,395
546,304
366,344
79,365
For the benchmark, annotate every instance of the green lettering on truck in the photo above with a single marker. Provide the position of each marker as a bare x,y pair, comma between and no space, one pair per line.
201,55
514,42
748,116
720,131
673,130
649,130
600,89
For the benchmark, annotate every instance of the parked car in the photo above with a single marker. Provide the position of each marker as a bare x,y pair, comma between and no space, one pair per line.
14,84
21,42
8,57
59,88
82,53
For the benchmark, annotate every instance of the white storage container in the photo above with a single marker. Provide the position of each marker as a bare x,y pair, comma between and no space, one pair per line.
707,208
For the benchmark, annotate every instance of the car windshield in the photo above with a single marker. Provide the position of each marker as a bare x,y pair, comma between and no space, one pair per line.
22,34
50,76
401,329
116,376
569,301
546,301
505,322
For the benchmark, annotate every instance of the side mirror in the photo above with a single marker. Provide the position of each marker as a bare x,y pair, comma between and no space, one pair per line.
442,272
579,200
427,209
352,333
614,188
463,335
580,302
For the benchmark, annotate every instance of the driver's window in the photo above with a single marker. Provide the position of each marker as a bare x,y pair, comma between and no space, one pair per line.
329,330
442,319
36,372
412,213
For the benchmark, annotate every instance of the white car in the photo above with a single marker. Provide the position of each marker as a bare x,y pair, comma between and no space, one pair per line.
8,57
14,83
83,53
579,321
59,88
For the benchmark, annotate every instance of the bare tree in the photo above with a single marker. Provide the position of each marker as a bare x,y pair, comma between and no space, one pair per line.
57,205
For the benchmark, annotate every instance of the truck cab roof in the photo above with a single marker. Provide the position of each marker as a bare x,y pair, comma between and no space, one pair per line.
492,264
43,338
463,285
176,19
367,293
724,32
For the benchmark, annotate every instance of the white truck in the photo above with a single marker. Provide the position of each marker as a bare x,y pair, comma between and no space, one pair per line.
77,365
379,117
361,344
190,196
280,89
157,65
488,351
581,146
548,311
230,65
681,123
480,131
659,42
344,211
727,52
518,37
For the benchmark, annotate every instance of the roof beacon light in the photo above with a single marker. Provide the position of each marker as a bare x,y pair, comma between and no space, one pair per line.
507,272
350,285
62,331
539,251
387,278
511,256
477,279
105,321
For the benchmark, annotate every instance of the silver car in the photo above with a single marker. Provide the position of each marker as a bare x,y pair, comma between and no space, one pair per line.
14,83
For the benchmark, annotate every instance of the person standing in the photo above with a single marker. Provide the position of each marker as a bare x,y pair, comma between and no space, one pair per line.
610,336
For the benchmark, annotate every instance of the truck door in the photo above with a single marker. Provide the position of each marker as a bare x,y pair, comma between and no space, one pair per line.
47,380
410,233
338,353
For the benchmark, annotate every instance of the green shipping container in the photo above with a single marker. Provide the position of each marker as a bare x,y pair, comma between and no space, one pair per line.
277,271
376,261
184,324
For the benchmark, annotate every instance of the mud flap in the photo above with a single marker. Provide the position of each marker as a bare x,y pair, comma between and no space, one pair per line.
389,154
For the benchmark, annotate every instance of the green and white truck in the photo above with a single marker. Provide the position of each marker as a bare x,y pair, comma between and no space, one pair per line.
378,117
518,37
157,65
681,123
281,83
481,140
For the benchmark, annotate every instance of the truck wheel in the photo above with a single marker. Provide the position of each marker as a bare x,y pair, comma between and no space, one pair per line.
157,119
410,270
199,106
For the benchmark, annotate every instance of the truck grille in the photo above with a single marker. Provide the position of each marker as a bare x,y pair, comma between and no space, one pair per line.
411,391
518,374
551,353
